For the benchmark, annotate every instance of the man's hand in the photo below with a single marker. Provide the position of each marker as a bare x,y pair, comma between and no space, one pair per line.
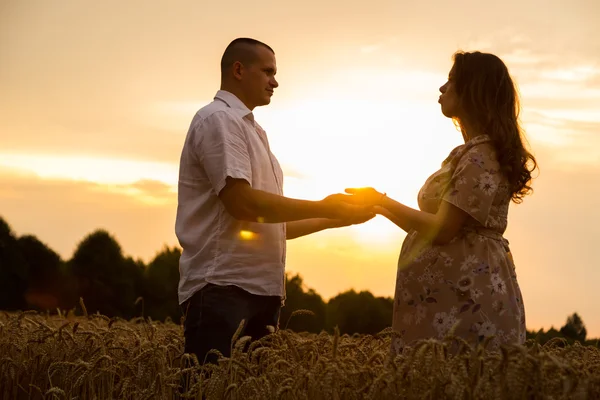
335,212
340,197
339,223
247,204
366,196
340,207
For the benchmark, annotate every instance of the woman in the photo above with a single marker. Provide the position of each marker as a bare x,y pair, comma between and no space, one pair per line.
455,269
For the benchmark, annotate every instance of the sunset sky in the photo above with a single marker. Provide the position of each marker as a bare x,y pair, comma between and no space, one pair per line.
96,98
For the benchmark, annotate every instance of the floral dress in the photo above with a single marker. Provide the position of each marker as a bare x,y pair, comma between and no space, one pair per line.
469,284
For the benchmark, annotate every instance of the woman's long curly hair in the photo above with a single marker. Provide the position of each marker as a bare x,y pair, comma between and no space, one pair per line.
490,101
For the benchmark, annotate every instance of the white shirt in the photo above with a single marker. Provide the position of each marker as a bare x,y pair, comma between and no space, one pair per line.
224,140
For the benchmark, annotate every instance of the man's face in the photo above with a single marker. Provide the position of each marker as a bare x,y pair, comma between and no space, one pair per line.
258,79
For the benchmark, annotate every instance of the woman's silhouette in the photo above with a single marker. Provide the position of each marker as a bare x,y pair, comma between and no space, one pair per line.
455,270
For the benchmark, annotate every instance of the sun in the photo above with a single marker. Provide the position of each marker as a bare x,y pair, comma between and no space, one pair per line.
394,154
378,128
378,231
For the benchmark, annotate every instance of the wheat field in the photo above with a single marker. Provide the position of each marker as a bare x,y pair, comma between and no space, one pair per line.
94,357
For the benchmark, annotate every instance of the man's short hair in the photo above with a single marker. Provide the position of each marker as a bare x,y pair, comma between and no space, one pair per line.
242,50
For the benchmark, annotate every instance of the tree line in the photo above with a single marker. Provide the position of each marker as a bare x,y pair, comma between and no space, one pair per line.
35,277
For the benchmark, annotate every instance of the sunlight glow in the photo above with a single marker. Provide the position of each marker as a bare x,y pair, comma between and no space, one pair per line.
577,74
91,169
572,115
377,232
248,235
97,99
547,135
392,146
547,89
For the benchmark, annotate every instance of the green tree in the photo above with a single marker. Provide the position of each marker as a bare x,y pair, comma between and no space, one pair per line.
299,298
161,283
542,336
43,265
362,312
574,328
106,280
14,272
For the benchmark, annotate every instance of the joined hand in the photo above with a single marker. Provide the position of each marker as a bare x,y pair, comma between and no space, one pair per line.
365,195
343,211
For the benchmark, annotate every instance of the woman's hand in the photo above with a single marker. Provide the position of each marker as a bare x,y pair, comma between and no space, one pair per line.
363,213
365,196
381,211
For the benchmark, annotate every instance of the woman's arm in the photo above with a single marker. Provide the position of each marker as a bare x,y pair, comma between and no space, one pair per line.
441,227
460,201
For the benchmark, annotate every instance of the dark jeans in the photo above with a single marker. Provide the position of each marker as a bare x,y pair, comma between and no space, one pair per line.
213,314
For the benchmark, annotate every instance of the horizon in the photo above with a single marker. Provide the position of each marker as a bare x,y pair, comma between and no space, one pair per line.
306,286
98,99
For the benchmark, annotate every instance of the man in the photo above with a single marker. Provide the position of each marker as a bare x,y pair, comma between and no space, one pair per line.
232,217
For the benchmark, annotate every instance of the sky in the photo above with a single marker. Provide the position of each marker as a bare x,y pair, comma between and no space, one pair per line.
96,99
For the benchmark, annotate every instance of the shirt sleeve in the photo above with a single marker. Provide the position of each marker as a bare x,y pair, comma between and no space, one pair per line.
474,183
223,150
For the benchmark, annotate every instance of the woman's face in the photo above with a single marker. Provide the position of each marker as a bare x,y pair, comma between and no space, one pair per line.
449,99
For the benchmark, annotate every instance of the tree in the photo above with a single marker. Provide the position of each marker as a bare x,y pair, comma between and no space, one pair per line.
574,328
297,298
106,280
161,282
43,265
14,272
360,312
542,336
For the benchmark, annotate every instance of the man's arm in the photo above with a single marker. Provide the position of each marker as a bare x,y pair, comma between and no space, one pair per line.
223,151
296,229
248,204
305,227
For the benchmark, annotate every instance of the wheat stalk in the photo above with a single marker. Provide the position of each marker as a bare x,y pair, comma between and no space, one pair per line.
62,356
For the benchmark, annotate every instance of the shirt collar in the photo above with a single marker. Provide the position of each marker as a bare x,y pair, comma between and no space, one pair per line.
234,103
